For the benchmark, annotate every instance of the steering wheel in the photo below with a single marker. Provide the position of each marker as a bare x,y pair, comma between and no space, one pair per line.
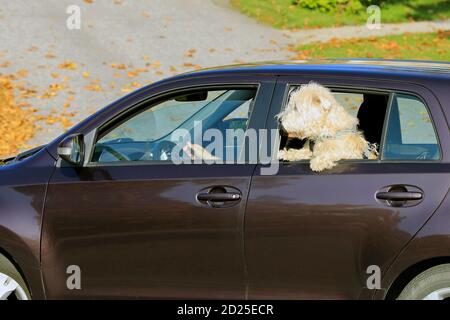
116,154
164,150
424,155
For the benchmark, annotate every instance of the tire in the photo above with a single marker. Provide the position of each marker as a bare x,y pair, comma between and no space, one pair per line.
9,274
432,284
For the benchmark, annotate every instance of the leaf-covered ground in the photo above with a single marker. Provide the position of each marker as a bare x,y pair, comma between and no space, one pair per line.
17,122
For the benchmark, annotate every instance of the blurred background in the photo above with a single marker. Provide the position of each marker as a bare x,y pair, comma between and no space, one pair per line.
62,60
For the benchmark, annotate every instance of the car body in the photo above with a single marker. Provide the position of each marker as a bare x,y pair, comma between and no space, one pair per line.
138,230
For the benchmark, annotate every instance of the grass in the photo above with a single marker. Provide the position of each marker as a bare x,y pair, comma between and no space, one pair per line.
285,15
417,46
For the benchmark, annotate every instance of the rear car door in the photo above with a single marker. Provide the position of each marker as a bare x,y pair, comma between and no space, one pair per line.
322,235
138,225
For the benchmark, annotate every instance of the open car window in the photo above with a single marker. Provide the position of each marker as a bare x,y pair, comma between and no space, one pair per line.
147,135
369,108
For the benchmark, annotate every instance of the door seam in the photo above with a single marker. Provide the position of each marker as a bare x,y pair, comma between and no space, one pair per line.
41,271
243,232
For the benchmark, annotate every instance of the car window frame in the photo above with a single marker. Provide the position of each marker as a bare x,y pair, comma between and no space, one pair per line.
354,89
386,125
92,138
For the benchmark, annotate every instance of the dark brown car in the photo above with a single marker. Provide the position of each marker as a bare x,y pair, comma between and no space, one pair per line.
105,211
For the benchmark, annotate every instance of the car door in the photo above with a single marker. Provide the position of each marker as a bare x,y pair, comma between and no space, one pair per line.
132,223
322,235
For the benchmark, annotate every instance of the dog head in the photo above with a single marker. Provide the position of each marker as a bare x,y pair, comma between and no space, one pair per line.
313,112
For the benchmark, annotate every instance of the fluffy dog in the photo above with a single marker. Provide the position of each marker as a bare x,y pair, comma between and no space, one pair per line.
314,115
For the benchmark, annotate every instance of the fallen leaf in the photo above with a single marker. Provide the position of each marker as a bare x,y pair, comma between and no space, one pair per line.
190,53
67,65
117,66
22,73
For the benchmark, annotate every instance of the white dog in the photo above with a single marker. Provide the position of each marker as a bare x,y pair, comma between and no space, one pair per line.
314,115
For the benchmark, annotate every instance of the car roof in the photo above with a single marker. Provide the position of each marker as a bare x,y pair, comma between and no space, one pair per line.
375,67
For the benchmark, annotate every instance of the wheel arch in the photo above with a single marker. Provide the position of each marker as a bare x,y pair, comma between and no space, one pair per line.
410,273
16,265
21,256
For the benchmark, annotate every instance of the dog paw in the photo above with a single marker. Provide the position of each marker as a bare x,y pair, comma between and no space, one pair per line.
319,165
282,154
373,156
316,167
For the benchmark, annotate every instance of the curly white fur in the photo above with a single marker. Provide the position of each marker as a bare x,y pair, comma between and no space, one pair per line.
313,114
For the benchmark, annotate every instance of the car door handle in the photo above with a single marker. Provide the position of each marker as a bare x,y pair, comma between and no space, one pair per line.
400,196
219,197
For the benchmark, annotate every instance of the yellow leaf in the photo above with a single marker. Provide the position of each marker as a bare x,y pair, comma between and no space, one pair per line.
67,65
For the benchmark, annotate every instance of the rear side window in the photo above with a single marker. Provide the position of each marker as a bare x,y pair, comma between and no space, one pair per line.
410,132
368,107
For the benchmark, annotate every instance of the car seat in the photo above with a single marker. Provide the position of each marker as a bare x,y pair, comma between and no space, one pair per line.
371,115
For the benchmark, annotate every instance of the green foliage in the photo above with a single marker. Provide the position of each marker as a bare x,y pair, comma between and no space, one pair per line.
293,14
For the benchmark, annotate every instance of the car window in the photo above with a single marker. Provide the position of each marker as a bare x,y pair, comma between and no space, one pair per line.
147,136
410,133
369,108
350,101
